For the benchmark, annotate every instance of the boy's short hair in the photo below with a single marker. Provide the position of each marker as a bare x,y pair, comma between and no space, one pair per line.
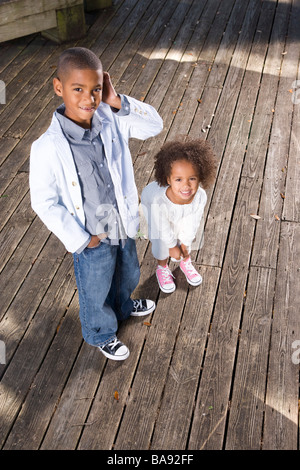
77,58
198,152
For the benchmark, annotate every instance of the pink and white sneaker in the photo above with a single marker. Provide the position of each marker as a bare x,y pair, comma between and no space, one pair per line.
165,279
192,276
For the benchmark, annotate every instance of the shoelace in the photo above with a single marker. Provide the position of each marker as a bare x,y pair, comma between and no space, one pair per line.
166,273
137,303
189,267
114,343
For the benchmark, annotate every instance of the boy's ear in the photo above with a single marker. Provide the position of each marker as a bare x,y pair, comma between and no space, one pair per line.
57,85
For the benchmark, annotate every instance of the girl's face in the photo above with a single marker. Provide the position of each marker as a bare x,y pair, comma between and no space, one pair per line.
183,182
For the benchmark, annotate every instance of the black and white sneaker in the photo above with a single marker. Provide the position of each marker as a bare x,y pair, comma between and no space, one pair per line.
142,307
115,350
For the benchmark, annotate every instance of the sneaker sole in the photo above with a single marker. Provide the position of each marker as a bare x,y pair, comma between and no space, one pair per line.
194,284
166,291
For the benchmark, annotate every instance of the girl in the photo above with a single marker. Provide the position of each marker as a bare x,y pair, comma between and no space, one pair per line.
173,206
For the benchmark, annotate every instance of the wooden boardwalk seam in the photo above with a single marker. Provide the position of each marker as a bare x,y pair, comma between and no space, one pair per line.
214,367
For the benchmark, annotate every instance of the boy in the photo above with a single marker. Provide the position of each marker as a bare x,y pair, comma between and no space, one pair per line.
82,187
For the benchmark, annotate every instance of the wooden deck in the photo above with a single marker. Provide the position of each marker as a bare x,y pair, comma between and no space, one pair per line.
214,367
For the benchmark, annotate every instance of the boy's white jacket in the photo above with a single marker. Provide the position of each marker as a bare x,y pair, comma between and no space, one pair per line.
54,186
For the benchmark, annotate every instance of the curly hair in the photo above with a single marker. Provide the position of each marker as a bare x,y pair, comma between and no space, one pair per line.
198,152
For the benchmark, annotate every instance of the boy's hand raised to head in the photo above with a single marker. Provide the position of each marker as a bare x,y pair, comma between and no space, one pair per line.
109,95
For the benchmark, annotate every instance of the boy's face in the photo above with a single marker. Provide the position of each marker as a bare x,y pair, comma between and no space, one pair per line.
81,91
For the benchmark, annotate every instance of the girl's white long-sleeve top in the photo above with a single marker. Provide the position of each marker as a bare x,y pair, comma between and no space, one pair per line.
54,185
171,222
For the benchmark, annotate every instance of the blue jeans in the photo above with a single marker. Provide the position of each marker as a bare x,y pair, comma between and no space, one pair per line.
106,276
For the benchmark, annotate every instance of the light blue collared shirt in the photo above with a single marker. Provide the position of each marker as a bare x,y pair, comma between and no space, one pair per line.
99,200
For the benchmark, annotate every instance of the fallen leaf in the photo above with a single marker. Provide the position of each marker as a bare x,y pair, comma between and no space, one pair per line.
147,323
282,195
255,216
276,217
199,101
116,395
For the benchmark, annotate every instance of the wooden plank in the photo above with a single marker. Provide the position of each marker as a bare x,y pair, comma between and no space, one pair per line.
231,119
24,90
75,401
143,36
11,10
267,235
19,58
103,40
145,393
13,194
200,53
282,414
247,407
103,21
138,61
151,72
10,51
123,34
22,308
213,395
21,262
21,151
169,102
45,390
20,372
291,208
28,25
11,234
175,412
208,430
7,145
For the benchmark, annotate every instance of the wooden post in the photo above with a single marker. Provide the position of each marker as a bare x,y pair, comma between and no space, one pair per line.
91,5
70,25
